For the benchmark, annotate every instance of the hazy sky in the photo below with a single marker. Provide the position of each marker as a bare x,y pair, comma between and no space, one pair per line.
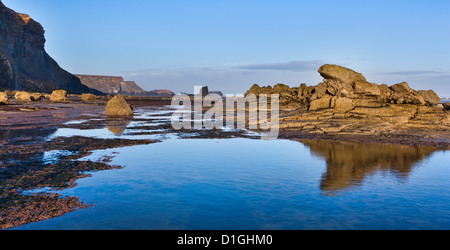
232,44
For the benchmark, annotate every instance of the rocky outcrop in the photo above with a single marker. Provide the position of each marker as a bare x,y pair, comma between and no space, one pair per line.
345,104
24,63
118,106
341,82
113,85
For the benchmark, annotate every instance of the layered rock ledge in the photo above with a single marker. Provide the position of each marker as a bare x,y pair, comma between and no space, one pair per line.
348,107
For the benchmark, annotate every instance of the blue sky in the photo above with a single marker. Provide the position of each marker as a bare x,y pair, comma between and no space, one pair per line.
230,45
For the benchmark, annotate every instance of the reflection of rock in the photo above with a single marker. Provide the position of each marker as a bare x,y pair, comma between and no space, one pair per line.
117,125
349,163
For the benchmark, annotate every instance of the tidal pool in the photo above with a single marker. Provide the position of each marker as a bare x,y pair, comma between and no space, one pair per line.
237,183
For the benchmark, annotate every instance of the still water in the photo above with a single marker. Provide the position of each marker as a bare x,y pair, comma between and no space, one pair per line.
238,183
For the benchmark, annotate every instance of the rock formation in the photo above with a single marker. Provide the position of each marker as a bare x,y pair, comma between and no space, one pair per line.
345,103
343,88
24,63
113,85
118,106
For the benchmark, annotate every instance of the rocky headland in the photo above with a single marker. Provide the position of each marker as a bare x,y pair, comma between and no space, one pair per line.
114,85
24,63
345,106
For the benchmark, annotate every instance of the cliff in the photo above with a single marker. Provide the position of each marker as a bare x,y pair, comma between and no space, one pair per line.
114,85
24,63
106,84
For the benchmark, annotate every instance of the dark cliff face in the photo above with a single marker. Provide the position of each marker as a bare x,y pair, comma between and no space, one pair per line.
24,63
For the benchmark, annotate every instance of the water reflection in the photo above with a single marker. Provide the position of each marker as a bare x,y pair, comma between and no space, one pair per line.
348,164
36,133
118,125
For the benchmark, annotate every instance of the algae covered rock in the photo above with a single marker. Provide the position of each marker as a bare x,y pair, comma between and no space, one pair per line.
118,106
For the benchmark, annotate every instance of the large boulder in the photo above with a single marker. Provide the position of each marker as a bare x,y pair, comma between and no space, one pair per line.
339,73
4,98
430,97
118,106
23,96
59,96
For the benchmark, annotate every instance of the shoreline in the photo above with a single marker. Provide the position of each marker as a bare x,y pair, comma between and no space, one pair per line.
24,133
47,115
